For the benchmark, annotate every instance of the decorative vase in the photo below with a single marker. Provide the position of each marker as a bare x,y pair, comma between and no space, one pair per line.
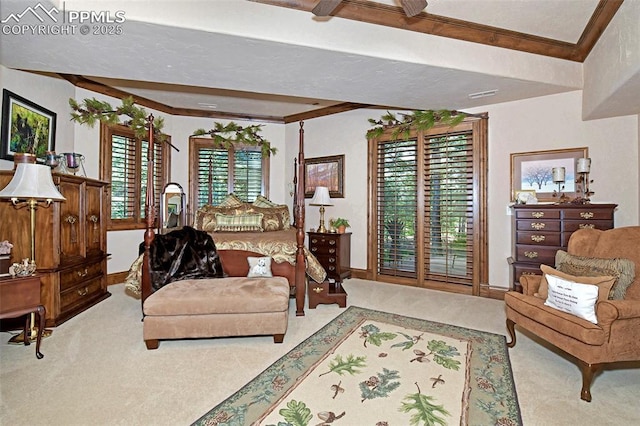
341,229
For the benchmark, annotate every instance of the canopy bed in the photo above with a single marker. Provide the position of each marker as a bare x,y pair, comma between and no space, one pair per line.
293,262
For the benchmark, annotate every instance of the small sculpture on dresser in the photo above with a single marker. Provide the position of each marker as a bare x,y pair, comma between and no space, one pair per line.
23,269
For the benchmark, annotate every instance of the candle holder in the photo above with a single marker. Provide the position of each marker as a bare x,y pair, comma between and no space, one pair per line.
583,169
558,177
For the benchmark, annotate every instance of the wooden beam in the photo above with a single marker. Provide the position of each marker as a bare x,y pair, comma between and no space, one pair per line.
321,112
390,16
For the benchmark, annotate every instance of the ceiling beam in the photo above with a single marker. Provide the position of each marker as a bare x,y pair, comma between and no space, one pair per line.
321,112
391,16
85,83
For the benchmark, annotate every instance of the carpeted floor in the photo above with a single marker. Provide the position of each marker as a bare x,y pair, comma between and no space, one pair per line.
96,369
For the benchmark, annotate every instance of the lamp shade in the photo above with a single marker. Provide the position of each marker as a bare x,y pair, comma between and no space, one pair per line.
321,197
32,182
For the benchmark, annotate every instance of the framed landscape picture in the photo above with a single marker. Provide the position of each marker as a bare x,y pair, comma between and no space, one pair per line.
324,171
531,171
26,127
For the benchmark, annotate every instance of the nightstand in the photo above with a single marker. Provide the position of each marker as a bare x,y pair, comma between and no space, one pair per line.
19,296
333,251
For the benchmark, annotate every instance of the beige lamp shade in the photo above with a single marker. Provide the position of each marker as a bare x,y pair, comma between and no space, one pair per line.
32,182
321,197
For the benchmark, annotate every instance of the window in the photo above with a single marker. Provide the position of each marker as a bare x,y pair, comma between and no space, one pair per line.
124,163
217,171
429,207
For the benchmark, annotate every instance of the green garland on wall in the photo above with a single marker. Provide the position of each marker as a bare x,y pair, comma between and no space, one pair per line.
403,123
227,135
91,111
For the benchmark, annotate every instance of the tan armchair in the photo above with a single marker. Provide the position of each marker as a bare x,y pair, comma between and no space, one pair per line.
615,338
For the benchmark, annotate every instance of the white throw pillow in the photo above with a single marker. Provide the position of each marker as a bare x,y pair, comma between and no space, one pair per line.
572,297
259,267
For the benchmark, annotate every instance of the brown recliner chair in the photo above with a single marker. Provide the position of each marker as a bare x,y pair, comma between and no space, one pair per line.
615,338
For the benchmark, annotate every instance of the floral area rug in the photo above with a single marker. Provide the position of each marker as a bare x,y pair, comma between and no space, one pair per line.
374,368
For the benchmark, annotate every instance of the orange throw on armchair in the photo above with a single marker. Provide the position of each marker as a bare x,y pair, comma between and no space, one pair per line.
616,336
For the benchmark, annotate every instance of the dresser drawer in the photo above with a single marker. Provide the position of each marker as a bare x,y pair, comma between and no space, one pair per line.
74,276
77,295
538,238
573,225
538,225
330,263
520,270
537,214
589,214
536,254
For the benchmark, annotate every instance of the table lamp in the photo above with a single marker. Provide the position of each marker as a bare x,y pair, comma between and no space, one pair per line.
30,184
321,198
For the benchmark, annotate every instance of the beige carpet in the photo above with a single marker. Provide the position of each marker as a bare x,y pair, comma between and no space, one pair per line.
97,371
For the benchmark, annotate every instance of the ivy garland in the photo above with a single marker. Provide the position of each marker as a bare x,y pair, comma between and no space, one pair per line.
418,120
91,111
227,135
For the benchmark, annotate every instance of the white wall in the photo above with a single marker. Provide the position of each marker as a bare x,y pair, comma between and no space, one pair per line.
544,123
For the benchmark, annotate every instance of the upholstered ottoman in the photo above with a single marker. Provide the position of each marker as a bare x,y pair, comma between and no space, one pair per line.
217,307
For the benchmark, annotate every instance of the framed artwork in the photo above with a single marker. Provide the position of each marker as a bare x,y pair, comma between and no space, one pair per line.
324,171
531,171
26,127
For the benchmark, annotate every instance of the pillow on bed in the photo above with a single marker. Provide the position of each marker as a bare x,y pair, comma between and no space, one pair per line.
238,222
205,219
231,200
264,202
274,218
259,267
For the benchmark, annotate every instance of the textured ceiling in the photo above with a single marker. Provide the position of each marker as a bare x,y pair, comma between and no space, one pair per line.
258,60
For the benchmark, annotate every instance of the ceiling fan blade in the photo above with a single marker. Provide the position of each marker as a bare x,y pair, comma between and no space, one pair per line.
325,7
412,7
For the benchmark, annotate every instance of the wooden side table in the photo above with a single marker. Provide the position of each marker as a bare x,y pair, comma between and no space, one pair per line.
333,251
19,296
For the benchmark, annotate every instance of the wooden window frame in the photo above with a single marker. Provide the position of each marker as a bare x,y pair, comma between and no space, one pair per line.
107,131
195,144
479,285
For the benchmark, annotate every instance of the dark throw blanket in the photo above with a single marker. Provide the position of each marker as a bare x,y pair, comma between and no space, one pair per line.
182,254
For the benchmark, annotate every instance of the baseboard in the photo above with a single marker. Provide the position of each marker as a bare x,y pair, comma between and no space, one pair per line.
485,290
116,278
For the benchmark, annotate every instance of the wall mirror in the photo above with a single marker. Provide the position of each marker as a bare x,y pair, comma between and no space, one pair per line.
173,206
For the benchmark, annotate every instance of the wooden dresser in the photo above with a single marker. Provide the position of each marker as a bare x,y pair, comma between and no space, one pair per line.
71,244
333,251
540,230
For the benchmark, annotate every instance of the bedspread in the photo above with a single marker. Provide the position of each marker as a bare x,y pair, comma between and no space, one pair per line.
279,245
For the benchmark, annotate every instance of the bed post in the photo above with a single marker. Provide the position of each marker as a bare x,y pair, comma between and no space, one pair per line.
301,281
149,210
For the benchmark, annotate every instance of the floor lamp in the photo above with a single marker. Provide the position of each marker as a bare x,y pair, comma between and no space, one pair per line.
30,184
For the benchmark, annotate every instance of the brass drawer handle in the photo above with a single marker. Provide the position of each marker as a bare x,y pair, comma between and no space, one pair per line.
314,248
332,268
531,254
332,260
318,289
332,251
527,273
586,215
83,292
332,242
586,226
538,238
84,273
314,240
538,225
93,218
537,215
